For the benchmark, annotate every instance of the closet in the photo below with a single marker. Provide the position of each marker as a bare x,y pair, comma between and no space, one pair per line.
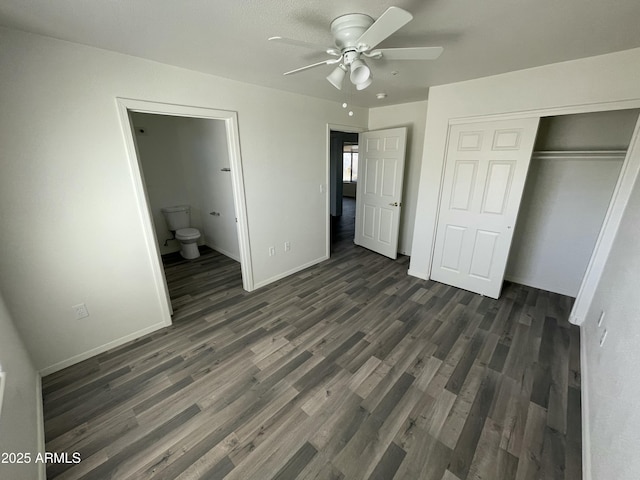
574,169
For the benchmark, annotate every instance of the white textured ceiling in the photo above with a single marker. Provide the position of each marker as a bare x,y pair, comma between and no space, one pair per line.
229,38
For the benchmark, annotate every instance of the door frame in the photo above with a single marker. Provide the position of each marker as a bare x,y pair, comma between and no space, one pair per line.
619,200
339,128
127,105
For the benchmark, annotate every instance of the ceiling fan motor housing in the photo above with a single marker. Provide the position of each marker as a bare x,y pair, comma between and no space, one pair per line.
347,29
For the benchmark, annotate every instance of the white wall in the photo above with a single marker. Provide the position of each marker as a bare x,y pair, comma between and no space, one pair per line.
211,187
587,131
413,116
563,206
72,231
589,81
610,373
21,427
162,160
182,160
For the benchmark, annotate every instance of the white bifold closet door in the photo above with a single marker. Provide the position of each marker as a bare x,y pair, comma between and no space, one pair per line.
485,171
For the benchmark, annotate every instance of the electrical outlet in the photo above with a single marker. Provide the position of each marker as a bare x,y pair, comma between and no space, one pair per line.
272,251
287,246
80,311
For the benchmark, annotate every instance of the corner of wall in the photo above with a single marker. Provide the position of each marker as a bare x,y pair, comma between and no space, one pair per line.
42,468
584,400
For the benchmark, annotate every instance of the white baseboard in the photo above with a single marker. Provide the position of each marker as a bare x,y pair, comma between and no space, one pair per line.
290,272
101,349
42,467
549,288
223,252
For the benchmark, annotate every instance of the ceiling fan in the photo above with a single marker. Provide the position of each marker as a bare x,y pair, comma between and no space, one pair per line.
355,36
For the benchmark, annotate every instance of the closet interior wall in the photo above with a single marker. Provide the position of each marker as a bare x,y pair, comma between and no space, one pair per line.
574,170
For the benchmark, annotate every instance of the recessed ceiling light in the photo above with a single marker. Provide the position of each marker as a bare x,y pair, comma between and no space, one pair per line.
381,95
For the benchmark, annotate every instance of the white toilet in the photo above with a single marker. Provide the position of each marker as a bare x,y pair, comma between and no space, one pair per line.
178,222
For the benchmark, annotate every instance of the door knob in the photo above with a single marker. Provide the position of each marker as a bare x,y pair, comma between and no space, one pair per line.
395,204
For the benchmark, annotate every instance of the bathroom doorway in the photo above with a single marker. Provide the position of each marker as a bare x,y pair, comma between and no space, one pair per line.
185,161
235,241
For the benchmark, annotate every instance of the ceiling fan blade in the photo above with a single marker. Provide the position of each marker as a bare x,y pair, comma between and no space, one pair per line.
330,61
300,43
415,53
392,20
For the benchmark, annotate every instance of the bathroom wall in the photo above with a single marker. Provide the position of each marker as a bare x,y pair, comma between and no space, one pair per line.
182,161
206,156
165,177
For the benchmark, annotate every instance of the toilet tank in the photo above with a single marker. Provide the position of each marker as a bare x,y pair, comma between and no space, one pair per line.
176,217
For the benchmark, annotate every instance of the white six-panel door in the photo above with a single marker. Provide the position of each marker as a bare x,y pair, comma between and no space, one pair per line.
379,191
485,171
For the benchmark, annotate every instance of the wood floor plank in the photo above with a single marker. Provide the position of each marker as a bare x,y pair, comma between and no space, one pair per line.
426,458
388,464
490,461
468,441
296,464
454,385
573,461
457,417
530,461
350,369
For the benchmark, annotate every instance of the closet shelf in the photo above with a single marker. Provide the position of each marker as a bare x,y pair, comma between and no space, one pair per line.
582,154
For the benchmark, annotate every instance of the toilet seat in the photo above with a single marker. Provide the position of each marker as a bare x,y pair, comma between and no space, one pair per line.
187,234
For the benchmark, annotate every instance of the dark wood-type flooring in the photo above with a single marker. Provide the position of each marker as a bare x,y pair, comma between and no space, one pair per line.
350,369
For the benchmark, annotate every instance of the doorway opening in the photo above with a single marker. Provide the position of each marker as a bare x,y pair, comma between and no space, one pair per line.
380,174
343,184
227,125
185,161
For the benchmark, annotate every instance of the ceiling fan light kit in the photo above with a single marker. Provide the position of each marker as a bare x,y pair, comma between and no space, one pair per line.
360,72
336,77
356,35
365,84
